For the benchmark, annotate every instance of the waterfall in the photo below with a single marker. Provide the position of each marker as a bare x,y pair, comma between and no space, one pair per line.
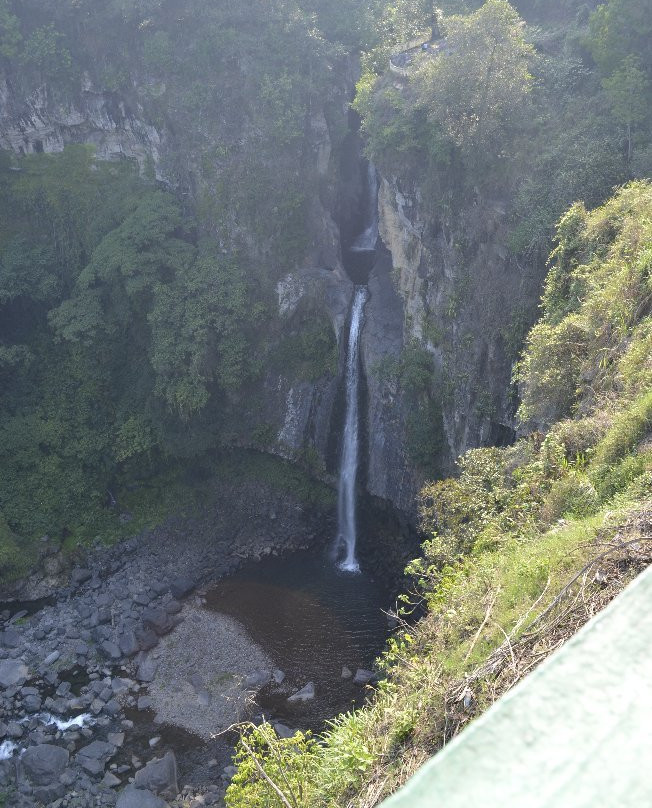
360,264
366,241
346,503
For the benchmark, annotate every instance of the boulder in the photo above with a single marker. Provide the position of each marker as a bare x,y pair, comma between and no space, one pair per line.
32,703
13,673
258,679
306,693
145,703
160,776
129,644
147,670
181,586
44,764
79,576
110,780
147,639
11,638
95,756
158,620
363,677
284,731
133,797
346,673
110,650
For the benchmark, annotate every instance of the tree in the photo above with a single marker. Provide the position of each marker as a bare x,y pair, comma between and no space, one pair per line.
44,51
10,36
628,92
619,28
475,90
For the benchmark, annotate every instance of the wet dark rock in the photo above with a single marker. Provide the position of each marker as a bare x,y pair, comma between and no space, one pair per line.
160,776
306,693
284,731
45,763
363,677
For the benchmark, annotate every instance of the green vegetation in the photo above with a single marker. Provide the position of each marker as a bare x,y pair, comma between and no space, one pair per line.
524,545
308,348
514,112
117,329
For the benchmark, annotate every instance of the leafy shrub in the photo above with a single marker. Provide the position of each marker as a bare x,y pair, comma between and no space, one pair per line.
573,495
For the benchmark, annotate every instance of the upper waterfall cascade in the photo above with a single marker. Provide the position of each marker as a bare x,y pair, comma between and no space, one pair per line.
366,241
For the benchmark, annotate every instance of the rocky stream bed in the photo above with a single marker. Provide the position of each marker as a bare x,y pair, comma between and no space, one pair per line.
119,687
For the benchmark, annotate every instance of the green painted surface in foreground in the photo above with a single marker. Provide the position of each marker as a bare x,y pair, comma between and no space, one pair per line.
576,733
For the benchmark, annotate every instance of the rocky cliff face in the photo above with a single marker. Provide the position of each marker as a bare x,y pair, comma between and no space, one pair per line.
39,123
466,301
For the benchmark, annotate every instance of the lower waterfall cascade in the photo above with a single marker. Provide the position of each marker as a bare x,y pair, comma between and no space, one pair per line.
346,501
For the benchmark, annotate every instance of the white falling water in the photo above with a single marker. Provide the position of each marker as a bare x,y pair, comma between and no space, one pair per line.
346,503
366,241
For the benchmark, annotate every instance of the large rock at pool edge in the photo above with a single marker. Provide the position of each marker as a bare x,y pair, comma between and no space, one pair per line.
133,797
45,763
160,776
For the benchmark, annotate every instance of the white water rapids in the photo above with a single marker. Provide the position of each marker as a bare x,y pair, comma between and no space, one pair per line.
9,748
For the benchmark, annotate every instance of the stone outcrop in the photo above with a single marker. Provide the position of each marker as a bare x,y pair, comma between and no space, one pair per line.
466,300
